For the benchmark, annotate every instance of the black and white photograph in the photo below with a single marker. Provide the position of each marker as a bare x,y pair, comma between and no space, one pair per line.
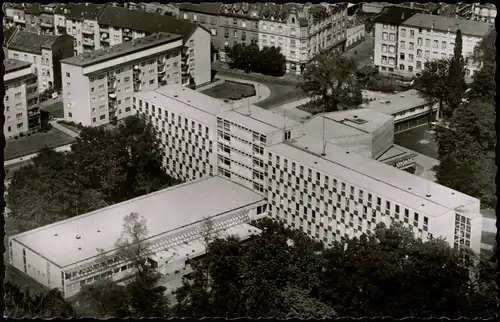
250,160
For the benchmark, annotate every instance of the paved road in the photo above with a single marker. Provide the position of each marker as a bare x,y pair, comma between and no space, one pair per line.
63,128
16,161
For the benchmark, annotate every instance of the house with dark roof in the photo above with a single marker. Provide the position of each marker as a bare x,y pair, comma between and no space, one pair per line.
118,24
45,53
207,15
386,35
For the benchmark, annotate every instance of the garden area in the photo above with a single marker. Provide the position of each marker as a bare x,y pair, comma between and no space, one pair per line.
231,91
55,109
29,144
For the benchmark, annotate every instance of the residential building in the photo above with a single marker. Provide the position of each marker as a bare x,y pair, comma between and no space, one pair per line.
409,109
14,15
21,111
205,14
81,250
374,7
118,24
484,12
327,177
386,37
239,23
302,31
434,38
80,21
98,87
45,52
355,33
40,18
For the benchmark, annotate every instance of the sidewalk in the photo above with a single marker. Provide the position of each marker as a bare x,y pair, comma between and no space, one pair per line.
63,148
63,129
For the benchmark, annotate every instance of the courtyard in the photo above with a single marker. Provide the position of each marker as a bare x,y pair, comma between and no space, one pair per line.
231,91
420,139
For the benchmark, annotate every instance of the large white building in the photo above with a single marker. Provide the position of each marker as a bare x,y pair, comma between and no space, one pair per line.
402,45
21,112
484,12
346,186
98,87
72,253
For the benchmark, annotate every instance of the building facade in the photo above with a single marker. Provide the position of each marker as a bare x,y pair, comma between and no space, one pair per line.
22,114
86,250
348,190
98,88
484,12
205,14
45,52
403,43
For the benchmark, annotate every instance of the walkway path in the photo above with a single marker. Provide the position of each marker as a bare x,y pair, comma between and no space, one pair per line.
63,128
11,162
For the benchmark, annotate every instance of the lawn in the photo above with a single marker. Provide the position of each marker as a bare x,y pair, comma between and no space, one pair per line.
26,145
280,94
55,109
231,90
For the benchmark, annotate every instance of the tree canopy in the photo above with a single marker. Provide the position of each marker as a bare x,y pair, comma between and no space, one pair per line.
103,167
249,58
330,80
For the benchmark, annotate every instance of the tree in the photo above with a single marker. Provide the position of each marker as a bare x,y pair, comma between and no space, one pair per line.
21,303
271,61
268,61
330,80
104,298
456,83
433,84
484,86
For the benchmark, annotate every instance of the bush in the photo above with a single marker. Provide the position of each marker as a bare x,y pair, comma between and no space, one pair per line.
21,134
268,61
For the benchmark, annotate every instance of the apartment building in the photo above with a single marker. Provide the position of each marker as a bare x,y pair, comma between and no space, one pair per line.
98,87
40,18
14,15
355,33
21,111
348,189
45,52
206,14
79,20
484,12
117,25
386,37
302,31
425,37
81,250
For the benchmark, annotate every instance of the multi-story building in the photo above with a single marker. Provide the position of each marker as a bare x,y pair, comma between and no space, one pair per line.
484,12
302,31
80,22
205,14
355,33
424,37
45,53
386,37
14,15
98,87
348,189
81,250
21,111
117,25
40,18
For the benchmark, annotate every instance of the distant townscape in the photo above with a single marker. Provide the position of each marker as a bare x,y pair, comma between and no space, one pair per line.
250,159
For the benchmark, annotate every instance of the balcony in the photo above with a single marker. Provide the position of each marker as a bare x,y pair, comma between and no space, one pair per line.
112,97
88,42
87,30
104,36
137,87
127,33
18,19
111,86
47,24
161,69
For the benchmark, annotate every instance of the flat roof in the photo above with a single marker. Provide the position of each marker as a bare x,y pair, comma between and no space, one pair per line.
333,129
441,23
363,119
165,210
396,103
259,119
184,101
122,49
387,181
11,65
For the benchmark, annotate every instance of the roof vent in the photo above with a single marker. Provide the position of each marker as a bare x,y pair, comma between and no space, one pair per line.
306,148
382,101
387,102
423,205
428,195
175,95
98,231
78,237
55,234
402,95
79,248
409,188
355,116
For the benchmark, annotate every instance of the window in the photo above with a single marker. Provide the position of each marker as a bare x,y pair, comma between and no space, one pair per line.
427,42
420,41
195,17
402,45
443,56
436,44
19,125
401,67
151,82
402,56
385,26
384,60
392,49
419,52
403,32
384,48
392,62
411,45
384,36
410,57
17,95
70,114
410,69
244,24
419,64
68,74
427,54
434,55
392,37
102,117
412,33
213,31
443,45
